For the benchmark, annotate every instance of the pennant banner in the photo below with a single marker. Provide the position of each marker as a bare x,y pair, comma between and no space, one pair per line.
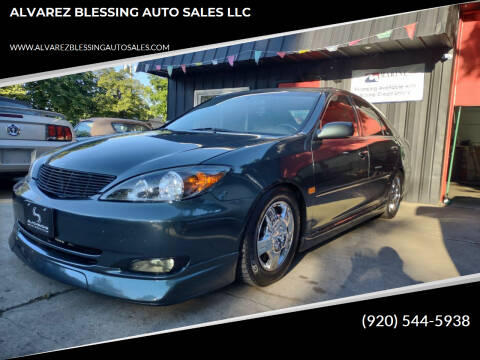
410,30
385,35
258,53
332,48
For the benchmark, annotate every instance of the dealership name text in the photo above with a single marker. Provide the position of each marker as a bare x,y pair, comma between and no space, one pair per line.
128,12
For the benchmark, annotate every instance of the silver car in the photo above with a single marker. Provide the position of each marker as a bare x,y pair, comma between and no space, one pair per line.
26,133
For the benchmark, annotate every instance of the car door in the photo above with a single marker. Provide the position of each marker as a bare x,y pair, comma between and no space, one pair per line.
383,148
340,167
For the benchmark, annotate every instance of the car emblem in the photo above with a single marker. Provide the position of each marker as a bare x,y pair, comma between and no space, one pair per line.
37,215
13,130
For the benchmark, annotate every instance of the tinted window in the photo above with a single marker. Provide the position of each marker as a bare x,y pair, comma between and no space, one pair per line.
369,119
272,113
83,129
121,127
13,103
339,109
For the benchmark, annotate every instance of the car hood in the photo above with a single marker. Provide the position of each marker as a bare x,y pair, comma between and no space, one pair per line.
131,154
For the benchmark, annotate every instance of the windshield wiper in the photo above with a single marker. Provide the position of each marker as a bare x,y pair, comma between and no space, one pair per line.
214,129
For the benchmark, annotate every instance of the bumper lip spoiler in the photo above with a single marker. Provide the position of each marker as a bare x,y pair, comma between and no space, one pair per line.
201,279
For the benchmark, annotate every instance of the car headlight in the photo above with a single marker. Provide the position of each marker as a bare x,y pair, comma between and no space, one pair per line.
167,185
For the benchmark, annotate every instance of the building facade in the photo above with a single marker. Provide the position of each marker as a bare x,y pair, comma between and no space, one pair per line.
417,68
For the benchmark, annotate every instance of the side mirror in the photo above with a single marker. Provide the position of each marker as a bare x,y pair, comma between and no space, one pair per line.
336,130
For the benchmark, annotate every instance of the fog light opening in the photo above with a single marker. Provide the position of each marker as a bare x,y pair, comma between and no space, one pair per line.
153,266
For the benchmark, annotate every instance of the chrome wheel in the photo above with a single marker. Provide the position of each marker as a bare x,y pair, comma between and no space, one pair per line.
394,195
275,235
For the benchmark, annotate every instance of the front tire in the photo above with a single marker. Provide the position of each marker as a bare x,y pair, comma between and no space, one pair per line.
271,238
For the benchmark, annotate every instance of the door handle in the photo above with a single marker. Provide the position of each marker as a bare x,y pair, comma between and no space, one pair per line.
363,154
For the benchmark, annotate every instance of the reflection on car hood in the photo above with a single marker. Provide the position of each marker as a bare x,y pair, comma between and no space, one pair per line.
130,154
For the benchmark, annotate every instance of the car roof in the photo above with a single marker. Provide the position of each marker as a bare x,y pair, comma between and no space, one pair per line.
288,89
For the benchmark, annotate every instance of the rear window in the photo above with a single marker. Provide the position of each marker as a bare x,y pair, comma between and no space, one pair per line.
83,129
13,103
122,128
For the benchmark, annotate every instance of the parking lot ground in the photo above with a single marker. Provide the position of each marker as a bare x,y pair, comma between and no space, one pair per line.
423,243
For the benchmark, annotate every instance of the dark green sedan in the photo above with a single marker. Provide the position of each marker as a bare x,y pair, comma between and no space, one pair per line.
232,189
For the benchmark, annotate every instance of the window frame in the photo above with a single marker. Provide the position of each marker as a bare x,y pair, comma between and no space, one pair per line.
380,120
320,118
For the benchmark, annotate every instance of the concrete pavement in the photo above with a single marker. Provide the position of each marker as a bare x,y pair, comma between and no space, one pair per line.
423,243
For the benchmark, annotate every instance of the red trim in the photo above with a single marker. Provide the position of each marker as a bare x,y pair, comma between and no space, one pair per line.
301,84
448,139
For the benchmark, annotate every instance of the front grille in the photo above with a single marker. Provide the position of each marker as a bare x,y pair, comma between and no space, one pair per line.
63,183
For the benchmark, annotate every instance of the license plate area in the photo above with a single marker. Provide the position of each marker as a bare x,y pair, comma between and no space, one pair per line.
39,219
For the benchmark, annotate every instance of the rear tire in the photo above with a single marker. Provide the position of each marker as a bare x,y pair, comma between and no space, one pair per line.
271,238
394,196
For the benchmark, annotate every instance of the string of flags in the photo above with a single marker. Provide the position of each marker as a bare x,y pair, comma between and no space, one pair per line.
410,30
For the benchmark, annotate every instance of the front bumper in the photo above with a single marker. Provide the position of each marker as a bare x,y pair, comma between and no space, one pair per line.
105,236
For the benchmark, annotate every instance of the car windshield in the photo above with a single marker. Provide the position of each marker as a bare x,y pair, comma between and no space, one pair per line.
279,113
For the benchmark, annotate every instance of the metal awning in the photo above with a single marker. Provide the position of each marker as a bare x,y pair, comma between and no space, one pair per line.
435,28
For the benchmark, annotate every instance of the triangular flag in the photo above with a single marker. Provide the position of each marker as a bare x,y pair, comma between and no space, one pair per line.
231,59
411,30
158,67
332,48
354,42
214,62
281,54
184,68
169,69
302,51
257,55
385,35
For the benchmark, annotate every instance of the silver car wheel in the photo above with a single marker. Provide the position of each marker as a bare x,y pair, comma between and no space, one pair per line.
394,195
275,235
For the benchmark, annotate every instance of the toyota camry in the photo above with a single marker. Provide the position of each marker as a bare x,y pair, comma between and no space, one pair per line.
232,189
